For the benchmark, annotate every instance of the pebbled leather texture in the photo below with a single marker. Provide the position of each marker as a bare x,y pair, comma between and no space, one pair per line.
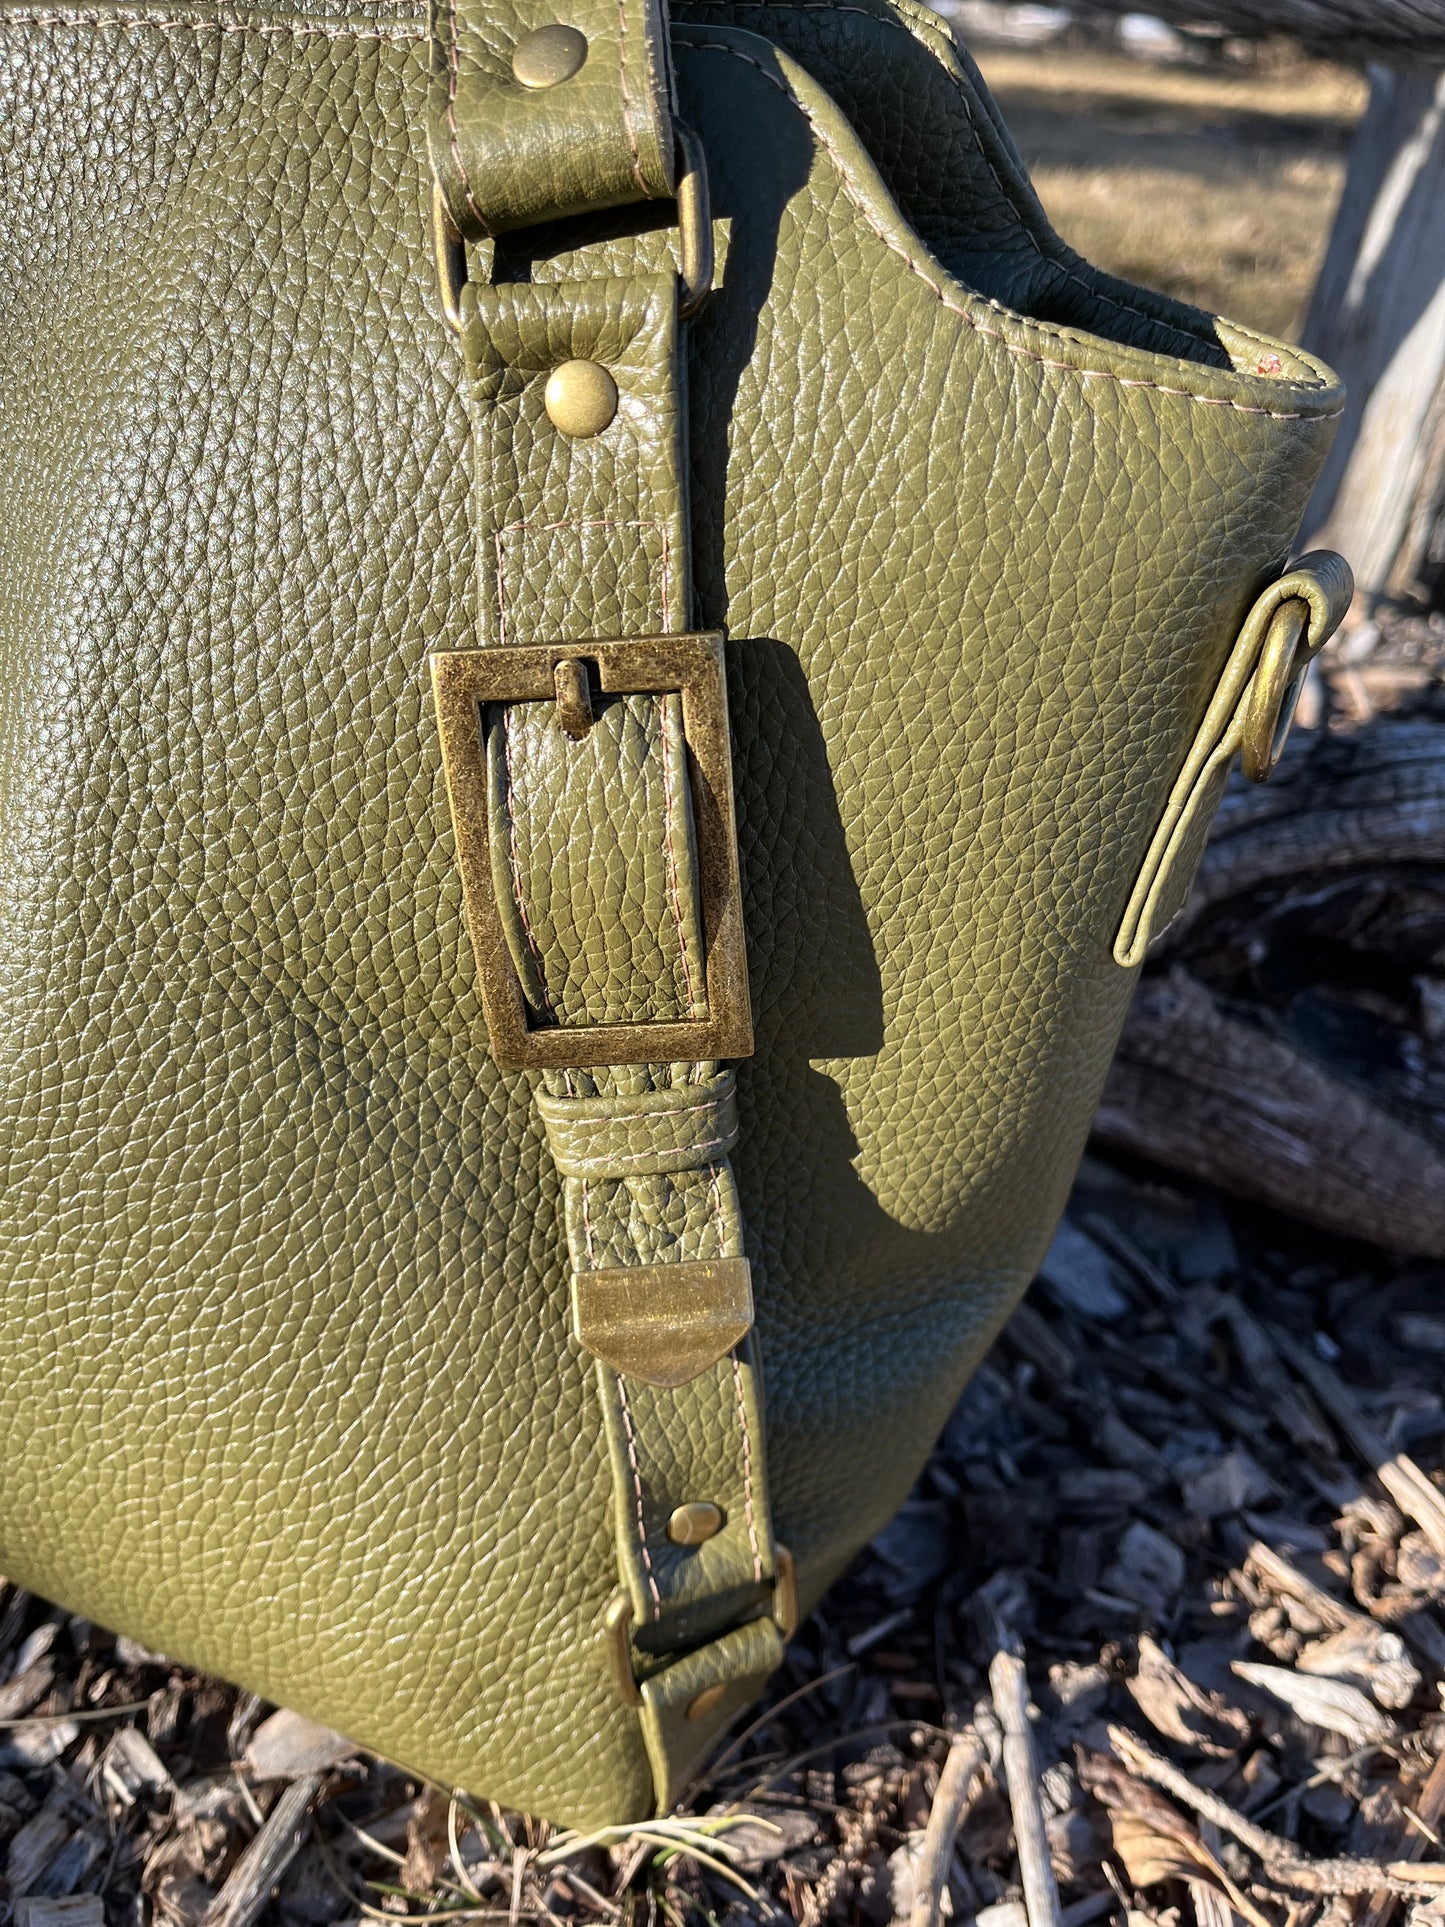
506,155
291,1389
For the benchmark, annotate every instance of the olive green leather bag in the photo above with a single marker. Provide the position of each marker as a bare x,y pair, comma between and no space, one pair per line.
584,771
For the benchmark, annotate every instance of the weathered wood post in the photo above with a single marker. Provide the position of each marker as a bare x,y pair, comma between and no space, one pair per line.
1378,312
1378,315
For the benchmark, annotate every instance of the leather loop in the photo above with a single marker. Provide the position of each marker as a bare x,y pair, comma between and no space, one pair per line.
1321,585
656,1131
687,1705
505,155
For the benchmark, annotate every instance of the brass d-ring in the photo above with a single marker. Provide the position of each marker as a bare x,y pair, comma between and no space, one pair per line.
694,220
617,1629
451,259
1283,660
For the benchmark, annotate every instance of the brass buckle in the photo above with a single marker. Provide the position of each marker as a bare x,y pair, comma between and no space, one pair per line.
617,1625
464,681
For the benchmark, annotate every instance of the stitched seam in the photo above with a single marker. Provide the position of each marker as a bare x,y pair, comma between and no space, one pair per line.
703,1153
747,1471
130,22
674,890
637,1489
1004,187
587,1225
501,588
515,855
627,128
664,574
972,321
748,1512
551,528
454,139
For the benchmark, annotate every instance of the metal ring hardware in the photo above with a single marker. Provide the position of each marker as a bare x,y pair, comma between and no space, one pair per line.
451,260
1283,660
694,220
617,1625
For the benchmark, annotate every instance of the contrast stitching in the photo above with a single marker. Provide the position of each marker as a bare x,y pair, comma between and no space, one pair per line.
132,22
702,1151
747,1471
454,141
674,890
637,1489
514,851
1010,347
552,528
627,128
586,1222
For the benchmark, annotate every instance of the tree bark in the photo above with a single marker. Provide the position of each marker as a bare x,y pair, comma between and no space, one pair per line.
1378,317
1295,1051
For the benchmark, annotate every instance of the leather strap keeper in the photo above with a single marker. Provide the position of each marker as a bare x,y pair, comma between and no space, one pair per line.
506,154
658,1131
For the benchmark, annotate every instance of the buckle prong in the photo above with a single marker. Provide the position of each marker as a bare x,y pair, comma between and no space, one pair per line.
465,682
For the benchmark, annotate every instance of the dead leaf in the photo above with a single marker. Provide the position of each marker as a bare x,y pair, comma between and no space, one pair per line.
1176,1707
286,1746
1367,1656
1327,1703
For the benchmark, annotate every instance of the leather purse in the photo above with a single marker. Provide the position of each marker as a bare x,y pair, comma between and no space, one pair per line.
609,654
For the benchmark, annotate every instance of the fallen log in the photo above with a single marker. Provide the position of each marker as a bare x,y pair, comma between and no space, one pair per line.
1207,1093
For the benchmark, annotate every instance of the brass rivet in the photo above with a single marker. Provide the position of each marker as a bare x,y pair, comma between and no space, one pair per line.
707,1701
581,398
691,1524
548,57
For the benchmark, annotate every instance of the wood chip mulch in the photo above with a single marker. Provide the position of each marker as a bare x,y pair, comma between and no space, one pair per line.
1169,1602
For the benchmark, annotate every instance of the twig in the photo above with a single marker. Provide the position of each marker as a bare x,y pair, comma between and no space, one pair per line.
1280,1576
965,1757
1282,1860
1009,1685
1401,1477
1429,1807
248,1885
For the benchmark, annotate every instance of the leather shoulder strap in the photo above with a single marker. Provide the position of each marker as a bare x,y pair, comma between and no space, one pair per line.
538,111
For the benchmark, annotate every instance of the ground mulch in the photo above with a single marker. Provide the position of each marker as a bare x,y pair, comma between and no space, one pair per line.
1196,1487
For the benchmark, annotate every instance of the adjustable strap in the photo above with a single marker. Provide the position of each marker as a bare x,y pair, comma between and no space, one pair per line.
539,110
594,823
